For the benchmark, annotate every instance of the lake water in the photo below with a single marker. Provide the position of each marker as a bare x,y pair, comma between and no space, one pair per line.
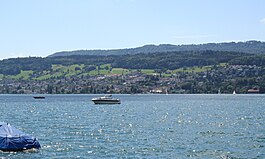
143,126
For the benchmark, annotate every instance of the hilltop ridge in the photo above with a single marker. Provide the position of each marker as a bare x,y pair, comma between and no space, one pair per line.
253,47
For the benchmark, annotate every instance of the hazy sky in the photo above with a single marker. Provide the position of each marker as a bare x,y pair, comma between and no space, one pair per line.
42,27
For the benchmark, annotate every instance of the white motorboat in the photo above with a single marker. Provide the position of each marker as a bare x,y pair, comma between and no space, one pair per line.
107,99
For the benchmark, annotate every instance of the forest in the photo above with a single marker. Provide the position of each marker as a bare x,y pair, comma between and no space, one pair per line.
252,47
162,61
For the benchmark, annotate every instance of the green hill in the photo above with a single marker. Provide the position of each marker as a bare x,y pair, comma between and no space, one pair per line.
58,67
173,72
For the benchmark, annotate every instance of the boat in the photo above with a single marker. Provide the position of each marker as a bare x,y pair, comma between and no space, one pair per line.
234,92
12,139
39,97
166,92
107,99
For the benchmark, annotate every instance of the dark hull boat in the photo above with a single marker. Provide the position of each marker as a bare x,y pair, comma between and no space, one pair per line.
39,97
107,99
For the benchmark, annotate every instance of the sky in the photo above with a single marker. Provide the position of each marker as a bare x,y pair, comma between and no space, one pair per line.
43,27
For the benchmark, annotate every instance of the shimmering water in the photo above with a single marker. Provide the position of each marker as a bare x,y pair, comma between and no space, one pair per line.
143,126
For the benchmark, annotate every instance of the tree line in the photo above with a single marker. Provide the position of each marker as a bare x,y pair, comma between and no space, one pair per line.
167,60
253,47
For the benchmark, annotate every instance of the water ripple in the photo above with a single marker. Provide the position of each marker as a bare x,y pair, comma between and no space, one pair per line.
143,126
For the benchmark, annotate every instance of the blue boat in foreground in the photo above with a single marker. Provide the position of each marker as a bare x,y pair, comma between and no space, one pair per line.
12,139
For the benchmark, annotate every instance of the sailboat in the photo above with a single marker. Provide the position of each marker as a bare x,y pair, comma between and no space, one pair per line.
166,92
234,93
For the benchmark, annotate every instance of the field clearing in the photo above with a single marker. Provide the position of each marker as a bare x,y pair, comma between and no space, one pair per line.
197,69
25,75
148,71
119,71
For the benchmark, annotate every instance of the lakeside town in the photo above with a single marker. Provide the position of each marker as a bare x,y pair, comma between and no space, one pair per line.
217,79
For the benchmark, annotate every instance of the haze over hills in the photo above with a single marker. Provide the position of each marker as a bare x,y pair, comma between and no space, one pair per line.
252,47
